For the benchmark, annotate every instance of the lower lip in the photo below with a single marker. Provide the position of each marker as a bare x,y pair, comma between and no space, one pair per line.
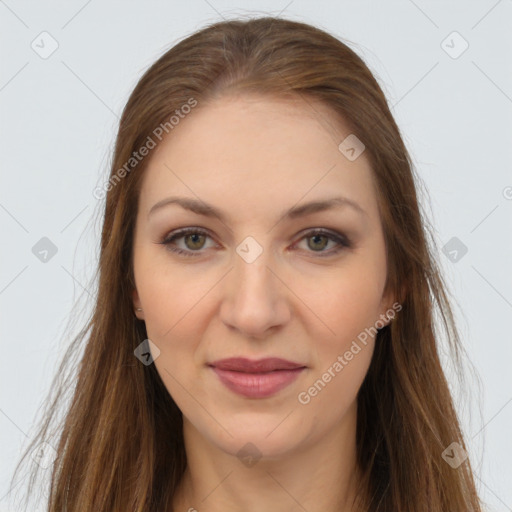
257,385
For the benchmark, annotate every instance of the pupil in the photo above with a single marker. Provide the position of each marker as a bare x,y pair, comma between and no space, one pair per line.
316,237
194,238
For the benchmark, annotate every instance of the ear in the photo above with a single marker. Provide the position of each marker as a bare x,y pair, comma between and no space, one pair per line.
137,306
390,305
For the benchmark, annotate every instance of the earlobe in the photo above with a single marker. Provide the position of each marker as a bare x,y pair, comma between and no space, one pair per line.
139,313
390,307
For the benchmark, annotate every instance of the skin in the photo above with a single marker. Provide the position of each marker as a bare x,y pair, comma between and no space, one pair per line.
254,158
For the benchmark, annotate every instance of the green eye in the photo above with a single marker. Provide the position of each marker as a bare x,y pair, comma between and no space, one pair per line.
316,244
318,239
195,239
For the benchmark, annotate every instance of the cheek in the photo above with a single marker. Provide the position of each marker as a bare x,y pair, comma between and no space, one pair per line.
346,302
174,314
343,346
352,308
177,310
169,295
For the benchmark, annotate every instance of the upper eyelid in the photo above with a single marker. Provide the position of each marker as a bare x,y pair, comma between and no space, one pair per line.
180,233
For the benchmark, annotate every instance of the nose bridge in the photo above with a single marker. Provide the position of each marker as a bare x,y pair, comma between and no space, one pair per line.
255,300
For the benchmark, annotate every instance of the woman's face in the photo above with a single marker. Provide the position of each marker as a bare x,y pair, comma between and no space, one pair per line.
253,280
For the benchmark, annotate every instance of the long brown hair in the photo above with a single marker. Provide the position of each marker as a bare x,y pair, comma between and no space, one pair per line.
120,446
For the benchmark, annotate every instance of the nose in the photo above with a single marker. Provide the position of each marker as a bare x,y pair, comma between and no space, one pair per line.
255,300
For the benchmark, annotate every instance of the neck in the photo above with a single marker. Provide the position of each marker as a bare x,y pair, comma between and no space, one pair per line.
318,476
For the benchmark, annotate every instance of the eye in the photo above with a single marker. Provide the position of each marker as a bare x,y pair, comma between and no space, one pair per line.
318,239
194,240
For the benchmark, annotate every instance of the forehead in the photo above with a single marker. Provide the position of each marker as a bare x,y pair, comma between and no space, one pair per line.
252,152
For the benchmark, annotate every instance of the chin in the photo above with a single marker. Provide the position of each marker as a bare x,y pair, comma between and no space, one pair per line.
257,437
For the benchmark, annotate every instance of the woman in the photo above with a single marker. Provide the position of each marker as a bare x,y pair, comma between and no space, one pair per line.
263,336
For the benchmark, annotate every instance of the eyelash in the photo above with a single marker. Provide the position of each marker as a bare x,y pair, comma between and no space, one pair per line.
343,241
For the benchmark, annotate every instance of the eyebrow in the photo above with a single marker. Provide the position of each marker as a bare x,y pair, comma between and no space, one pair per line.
207,210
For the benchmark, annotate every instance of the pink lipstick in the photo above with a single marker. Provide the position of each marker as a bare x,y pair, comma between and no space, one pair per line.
256,379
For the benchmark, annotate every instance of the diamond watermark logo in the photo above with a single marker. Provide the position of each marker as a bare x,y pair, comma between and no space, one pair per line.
454,45
351,147
249,455
249,249
455,249
147,352
44,455
44,250
454,455
45,45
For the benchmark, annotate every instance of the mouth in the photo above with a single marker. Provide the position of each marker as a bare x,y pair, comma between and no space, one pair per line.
256,379
268,364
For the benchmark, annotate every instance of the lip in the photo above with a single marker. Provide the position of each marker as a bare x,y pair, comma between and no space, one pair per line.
256,379
268,364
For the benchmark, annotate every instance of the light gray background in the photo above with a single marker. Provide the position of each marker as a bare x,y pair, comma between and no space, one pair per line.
58,121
